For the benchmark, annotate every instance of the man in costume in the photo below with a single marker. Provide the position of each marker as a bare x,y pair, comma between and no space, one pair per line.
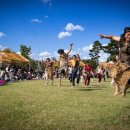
63,61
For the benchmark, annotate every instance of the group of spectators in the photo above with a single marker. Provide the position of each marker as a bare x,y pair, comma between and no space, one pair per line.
13,73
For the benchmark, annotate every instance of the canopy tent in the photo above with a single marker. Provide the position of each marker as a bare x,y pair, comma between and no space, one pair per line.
9,57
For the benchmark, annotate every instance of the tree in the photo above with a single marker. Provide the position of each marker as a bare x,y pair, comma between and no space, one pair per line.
25,51
34,64
90,62
8,50
95,51
112,49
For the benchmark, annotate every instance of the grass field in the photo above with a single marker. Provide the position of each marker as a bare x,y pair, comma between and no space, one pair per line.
30,105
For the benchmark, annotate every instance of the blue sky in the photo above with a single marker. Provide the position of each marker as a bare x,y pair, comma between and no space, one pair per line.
49,25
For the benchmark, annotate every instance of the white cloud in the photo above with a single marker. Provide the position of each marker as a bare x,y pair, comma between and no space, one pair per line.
72,27
85,57
64,34
2,47
45,54
18,53
2,34
103,56
55,54
69,28
36,21
87,48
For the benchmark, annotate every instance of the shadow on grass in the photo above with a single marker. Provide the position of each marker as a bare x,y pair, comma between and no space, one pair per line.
128,107
89,89
96,86
128,91
106,81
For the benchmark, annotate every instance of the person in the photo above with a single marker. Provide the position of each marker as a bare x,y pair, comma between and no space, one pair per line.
49,70
123,64
104,74
76,69
99,74
63,61
87,72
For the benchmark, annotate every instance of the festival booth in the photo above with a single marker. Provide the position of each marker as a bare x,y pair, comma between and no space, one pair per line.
12,57
9,58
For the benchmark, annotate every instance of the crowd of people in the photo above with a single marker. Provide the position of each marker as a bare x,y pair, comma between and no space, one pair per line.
12,73
73,71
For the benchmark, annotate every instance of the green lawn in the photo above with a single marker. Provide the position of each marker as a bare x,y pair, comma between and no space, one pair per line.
30,105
